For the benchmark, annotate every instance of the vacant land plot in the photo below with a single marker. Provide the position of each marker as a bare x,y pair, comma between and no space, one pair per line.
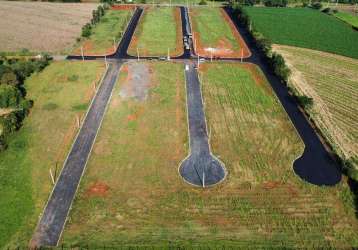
106,34
349,18
215,34
307,28
37,26
132,193
158,30
332,81
60,93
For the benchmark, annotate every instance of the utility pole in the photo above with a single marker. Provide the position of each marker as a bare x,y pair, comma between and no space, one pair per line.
242,54
105,61
52,179
168,57
83,58
198,61
211,55
137,54
203,178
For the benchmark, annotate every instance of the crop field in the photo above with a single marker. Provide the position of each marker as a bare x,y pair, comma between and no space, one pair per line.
132,198
215,35
158,30
110,28
348,18
40,26
332,81
307,28
61,93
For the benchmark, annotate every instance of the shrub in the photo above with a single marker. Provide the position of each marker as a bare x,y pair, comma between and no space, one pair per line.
86,30
9,78
305,101
202,2
275,3
316,5
327,10
9,96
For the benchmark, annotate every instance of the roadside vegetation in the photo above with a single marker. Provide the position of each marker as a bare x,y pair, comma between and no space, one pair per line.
42,144
214,33
159,29
332,83
102,35
303,27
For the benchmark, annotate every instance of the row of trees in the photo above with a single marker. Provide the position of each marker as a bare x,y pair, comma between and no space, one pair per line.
13,73
96,18
284,3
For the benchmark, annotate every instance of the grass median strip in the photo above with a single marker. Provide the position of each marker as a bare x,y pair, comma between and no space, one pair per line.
215,34
106,34
159,29
43,141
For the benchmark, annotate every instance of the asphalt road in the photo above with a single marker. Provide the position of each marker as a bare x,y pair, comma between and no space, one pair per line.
200,168
315,166
52,222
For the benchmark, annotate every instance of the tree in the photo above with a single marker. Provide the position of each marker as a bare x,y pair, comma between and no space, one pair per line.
9,78
10,96
86,30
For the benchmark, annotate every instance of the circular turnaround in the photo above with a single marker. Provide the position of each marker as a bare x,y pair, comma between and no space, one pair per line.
202,170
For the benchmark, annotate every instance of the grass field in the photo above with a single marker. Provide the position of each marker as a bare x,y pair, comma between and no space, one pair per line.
332,81
62,91
112,25
307,28
214,34
158,30
348,18
40,26
132,194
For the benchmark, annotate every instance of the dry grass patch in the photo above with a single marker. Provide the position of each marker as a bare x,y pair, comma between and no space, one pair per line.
261,204
41,26
332,81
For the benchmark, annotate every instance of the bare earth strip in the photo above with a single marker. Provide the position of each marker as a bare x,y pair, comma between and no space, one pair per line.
332,81
40,26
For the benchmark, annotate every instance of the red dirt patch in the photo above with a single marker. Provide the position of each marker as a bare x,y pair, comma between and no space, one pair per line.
123,7
97,189
132,117
271,185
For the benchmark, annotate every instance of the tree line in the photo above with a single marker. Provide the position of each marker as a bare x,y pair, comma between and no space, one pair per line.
13,102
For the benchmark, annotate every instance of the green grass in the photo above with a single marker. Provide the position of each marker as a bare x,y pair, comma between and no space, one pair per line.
112,25
261,204
24,167
212,29
157,31
348,18
332,82
307,28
